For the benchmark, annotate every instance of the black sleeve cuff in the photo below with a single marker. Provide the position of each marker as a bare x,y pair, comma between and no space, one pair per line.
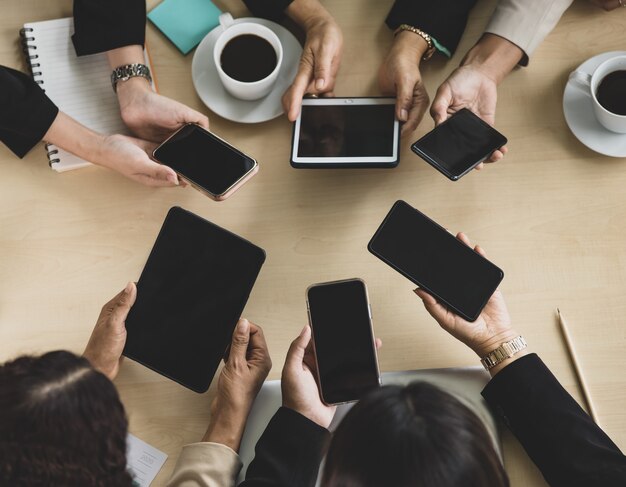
289,452
515,384
562,440
100,26
26,113
444,20
268,9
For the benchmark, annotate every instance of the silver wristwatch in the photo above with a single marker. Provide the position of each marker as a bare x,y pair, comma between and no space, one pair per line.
503,352
124,73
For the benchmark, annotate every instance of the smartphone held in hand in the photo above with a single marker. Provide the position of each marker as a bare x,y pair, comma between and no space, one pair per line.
459,144
343,340
207,162
427,254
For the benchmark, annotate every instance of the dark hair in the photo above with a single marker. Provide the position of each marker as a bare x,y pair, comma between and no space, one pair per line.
416,435
61,423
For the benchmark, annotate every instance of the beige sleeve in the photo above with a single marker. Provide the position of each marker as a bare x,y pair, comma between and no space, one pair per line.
526,23
206,465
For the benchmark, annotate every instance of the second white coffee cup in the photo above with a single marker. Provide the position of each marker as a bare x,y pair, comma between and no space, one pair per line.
589,84
241,89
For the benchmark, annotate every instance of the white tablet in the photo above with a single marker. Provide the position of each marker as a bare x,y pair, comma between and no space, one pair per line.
346,132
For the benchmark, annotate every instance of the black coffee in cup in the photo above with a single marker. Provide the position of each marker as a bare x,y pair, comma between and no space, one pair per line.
248,58
611,92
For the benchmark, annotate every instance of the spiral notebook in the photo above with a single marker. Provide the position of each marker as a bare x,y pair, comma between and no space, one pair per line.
79,86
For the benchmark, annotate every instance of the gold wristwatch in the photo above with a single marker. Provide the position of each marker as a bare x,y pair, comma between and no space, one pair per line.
503,352
429,40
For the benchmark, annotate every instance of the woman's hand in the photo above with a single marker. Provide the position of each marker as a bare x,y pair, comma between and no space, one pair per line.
245,368
321,55
399,75
299,382
131,157
152,116
106,344
492,328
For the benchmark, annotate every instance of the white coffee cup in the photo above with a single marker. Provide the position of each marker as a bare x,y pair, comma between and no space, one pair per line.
589,84
241,89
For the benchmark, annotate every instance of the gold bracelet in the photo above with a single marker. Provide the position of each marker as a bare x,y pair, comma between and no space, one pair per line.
429,40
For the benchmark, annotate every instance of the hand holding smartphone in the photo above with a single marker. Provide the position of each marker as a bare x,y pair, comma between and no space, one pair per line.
343,340
431,257
207,162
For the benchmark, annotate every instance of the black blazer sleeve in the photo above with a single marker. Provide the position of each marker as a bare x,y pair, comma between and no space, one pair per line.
267,9
562,440
102,25
444,20
26,113
289,452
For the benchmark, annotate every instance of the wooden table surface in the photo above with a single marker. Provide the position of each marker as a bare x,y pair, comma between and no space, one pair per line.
551,214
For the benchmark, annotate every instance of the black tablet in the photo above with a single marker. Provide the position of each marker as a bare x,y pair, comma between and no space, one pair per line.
190,296
426,253
346,133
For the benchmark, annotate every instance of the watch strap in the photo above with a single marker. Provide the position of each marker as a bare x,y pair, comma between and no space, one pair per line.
504,351
429,40
124,73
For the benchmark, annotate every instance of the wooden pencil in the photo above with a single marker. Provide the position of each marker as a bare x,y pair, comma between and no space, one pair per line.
577,369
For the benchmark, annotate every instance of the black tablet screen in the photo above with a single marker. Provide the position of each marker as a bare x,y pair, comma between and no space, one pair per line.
348,130
434,259
190,295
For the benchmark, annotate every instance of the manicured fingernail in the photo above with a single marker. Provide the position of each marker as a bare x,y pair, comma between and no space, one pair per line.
319,84
404,115
303,331
243,325
128,288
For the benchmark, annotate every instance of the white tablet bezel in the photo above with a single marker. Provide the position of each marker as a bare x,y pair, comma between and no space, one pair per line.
348,160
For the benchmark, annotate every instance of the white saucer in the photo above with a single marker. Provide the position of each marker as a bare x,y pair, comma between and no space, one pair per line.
578,110
212,92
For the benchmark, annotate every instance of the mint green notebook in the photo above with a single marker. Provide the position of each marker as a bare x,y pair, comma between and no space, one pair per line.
185,22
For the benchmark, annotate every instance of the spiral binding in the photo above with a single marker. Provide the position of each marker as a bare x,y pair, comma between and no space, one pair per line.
33,65
26,47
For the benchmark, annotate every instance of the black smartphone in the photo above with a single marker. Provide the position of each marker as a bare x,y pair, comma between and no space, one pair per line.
343,340
435,260
190,295
459,144
207,162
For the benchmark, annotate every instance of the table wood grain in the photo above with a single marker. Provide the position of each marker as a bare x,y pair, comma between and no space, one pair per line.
551,214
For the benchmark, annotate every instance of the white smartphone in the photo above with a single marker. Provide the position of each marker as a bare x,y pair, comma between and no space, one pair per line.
346,133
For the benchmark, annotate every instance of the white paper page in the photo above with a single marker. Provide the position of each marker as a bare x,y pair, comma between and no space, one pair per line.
79,86
144,461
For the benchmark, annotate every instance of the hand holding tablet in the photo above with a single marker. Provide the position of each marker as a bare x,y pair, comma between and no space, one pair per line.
190,295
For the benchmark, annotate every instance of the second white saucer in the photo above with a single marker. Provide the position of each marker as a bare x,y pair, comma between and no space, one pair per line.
578,110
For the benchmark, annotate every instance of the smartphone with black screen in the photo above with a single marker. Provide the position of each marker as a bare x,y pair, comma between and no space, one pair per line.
207,162
435,260
343,340
459,144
